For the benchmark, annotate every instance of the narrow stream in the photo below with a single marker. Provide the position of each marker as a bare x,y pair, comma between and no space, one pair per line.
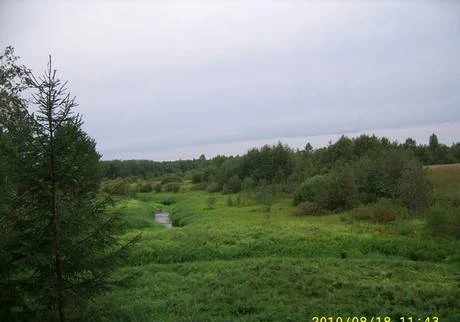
163,219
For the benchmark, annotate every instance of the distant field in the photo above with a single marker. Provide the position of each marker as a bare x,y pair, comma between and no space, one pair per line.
446,179
244,264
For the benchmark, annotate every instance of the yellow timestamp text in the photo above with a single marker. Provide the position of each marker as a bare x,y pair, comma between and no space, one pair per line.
374,319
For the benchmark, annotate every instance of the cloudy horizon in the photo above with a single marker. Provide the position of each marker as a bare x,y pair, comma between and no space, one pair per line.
173,80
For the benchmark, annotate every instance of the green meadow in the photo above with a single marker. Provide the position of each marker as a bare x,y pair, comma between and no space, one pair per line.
241,262
446,180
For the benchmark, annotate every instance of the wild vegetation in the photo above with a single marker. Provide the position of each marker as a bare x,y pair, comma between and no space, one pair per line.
278,163
238,262
341,176
362,227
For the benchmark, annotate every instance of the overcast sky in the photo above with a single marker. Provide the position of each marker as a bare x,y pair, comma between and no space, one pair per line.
174,79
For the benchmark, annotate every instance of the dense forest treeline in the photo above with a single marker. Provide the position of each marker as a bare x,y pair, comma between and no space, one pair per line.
148,169
343,175
344,150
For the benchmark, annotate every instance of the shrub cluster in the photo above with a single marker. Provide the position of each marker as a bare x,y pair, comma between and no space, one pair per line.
415,191
172,178
373,213
233,185
158,187
230,202
308,208
119,187
213,187
211,201
145,187
336,190
198,186
381,174
168,201
171,187
197,177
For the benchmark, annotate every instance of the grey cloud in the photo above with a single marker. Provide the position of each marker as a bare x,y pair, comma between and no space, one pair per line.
153,77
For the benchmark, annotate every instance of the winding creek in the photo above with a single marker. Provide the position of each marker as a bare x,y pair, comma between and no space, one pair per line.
163,219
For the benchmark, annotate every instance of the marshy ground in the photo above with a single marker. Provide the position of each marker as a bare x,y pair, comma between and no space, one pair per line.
242,263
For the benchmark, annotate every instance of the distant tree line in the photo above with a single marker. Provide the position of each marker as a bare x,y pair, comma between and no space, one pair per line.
340,176
148,169
279,163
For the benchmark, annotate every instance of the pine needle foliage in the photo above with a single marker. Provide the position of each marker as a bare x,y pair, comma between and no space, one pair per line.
63,243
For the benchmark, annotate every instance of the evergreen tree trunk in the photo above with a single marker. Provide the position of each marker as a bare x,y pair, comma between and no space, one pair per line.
54,216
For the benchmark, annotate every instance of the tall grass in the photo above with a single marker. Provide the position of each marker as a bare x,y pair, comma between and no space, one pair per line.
227,263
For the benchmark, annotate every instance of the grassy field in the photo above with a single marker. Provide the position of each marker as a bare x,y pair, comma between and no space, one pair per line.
241,263
446,179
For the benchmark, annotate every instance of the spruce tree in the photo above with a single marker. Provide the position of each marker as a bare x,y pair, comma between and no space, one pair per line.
63,241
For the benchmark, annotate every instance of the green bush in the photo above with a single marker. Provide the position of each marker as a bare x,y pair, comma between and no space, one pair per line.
238,200
415,190
310,189
172,178
145,187
225,189
385,173
158,187
168,201
383,215
213,187
363,212
342,191
378,172
248,184
381,212
337,190
197,177
120,187
171,187
308,208
229,201
233,185
198,186
211,201
393,204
